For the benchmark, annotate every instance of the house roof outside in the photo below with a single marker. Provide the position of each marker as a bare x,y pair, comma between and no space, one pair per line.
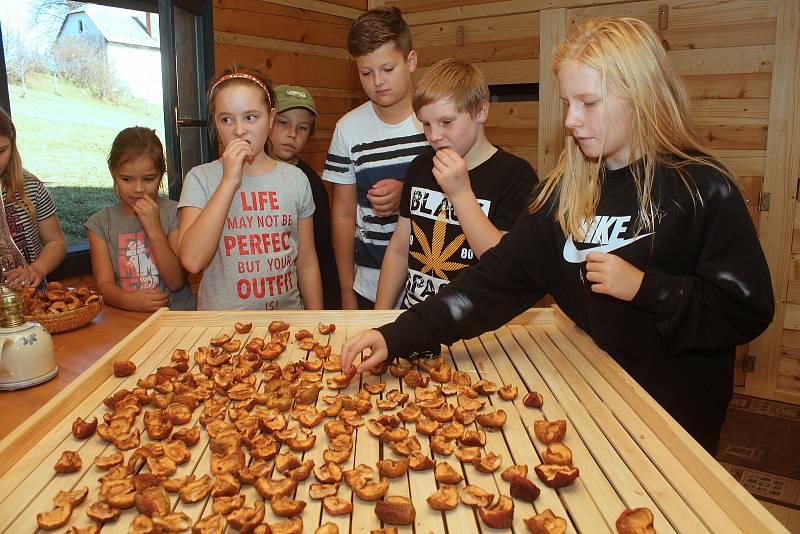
119,25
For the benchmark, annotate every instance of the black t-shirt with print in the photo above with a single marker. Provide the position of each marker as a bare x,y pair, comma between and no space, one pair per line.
438,249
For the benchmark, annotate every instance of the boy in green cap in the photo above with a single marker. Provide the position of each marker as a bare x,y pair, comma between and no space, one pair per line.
294,124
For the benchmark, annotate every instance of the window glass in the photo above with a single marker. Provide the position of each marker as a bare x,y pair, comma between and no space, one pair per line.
76,78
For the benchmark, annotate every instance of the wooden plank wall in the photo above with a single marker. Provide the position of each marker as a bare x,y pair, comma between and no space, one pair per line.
296,42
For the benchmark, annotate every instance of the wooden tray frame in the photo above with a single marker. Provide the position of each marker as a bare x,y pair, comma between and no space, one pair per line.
629,450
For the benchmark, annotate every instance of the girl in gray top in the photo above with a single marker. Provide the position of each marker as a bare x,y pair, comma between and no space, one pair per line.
133,242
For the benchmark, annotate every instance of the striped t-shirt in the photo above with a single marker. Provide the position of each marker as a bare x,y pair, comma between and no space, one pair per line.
24,229
365,150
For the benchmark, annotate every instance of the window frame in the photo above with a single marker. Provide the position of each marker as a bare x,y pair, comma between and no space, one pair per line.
78,260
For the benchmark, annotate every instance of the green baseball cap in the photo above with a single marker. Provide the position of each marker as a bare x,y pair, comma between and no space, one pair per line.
294,96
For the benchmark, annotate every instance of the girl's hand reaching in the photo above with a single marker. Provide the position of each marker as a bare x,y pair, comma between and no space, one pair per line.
237,153
613,276
146,210
24,276
368,339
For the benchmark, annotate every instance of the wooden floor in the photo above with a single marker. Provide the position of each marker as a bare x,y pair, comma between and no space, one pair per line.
789,517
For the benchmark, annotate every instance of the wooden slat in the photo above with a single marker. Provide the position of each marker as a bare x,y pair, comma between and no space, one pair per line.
623,462
501,50
513,115
791,318
683,14
551,113
730,112
285,67
63,403
467,10
744,162
43,482
513,136
727,493
782,169
330,8
789,373
268,43
492,29
503,72
793,292
739,85
597,397
739,59
265,19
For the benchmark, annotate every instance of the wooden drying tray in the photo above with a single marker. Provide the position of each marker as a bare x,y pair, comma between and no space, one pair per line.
629,451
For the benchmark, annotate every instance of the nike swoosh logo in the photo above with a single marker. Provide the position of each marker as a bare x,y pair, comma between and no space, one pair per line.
573,255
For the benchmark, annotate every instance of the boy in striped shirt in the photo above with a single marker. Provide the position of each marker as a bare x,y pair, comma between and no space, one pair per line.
371,147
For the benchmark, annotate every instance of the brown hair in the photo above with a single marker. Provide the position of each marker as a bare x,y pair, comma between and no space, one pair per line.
132,143
14,175
377,27
237,75
456,81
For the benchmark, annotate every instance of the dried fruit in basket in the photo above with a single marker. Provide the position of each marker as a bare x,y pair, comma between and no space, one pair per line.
83,429
546,523
500,514
635,521
396,510
550,431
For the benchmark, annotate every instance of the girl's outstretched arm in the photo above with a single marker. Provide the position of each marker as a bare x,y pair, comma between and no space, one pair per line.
54,246
307,266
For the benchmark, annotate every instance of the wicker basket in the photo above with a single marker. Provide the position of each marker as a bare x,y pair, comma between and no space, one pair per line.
68,320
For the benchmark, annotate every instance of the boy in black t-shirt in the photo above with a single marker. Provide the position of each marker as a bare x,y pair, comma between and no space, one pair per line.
457,202
294,124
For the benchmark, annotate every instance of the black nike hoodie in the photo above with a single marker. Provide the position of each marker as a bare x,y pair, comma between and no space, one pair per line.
706,289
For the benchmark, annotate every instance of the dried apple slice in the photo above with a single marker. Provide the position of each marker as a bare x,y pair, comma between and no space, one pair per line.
396,510
443,499
635,521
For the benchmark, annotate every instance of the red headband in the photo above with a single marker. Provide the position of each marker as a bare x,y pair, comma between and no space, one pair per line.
243,76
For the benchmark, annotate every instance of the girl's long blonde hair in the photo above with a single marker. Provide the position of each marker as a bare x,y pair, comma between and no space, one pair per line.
633,64
14,175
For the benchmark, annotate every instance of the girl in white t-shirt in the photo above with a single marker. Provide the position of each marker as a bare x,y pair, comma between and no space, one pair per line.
246,219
